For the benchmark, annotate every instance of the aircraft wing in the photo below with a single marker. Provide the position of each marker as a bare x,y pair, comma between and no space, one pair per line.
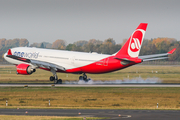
156,56
38,63
47,65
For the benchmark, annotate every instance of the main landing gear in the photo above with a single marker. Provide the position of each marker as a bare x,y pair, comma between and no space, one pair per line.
55,77
84,77
59,81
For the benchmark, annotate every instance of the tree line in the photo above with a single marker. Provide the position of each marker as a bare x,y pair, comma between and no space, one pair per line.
6,44
108,46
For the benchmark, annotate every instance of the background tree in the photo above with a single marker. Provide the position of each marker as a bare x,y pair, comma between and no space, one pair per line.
42,45
95,42
23,42
59,44
69,47
2,43
109,41
34,45
80,43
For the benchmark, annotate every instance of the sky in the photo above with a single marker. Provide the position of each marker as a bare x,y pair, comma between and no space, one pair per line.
73,20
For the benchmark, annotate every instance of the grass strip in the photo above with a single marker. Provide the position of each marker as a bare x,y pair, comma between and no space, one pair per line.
27,117
91,98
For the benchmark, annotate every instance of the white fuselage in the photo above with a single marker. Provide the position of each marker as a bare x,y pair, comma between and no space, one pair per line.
67,59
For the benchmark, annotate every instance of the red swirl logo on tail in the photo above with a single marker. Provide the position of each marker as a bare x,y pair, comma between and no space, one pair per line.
135,43
136,40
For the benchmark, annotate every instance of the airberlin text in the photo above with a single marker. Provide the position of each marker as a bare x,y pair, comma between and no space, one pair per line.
26,55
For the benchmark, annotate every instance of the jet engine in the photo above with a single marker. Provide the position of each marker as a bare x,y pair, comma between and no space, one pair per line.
25,69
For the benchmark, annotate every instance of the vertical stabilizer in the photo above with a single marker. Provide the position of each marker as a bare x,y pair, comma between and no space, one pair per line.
133,45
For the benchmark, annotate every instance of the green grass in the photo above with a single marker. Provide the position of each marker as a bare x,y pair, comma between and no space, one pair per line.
94,98
166,74
26,117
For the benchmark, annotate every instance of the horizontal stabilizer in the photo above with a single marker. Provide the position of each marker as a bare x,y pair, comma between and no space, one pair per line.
152,56
154,59
155,56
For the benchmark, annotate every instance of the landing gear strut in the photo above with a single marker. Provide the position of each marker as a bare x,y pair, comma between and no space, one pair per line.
84,77
55,77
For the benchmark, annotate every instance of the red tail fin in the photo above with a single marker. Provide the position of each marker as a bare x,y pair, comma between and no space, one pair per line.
133,45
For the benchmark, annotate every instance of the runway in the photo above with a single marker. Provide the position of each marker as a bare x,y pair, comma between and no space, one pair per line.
110,114
85,85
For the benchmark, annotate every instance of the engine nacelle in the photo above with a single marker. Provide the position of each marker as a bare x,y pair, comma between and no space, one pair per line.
25,69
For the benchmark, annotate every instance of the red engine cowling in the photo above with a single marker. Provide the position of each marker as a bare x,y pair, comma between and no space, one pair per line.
25,69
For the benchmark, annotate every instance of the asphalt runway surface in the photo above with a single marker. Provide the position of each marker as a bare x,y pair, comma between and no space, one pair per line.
85,85
110,114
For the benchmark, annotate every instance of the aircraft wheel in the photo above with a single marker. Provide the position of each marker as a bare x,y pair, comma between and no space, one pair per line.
80,77
60,81
51,78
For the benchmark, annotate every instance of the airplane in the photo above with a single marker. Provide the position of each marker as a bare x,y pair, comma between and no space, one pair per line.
28,59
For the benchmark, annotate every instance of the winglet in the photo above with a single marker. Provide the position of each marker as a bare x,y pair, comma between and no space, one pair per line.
9,52
171,52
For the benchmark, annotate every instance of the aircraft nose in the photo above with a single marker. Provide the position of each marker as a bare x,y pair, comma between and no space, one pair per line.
5,56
